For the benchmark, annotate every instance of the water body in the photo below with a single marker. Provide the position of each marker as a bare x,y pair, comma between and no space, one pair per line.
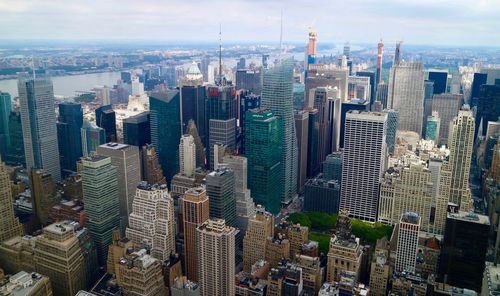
67,85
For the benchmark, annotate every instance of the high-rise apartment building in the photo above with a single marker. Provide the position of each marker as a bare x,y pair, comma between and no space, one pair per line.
447,106
195,211
137,129
460,142
151,222
407,245
127,161
151,169
9,223
187,156
263,143
260,227
58,256
215,245
302,133
44,194
101,198
277,95
69,124
221,194
166,129
364,162
5,109
36,98
406,95
105,117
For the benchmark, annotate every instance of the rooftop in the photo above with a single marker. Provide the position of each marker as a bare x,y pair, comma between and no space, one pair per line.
470,217
23,284
114,146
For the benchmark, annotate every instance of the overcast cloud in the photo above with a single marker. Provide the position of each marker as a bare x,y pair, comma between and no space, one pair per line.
453,22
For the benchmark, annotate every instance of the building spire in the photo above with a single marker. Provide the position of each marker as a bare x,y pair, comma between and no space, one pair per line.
33,66
281,33
220,53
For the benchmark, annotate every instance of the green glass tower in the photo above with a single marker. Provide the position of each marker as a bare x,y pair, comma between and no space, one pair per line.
166,129
100,195
5,108
277,95
264,150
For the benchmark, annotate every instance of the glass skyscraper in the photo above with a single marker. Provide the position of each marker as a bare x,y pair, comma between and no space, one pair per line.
36,98
69,135
277,95
105,117
166,129
5,108
263,151
136,130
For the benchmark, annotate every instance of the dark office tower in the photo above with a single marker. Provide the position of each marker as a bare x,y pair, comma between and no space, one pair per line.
222,133
392,126
241,64
380,54
488,108
322,195
69,134
200,150
428,90
428,93
301,130
248,101
479,79
249,79
312,144
382,91
151,169
36,99
92,137
440,79
356,104
263,142
464,250
193,95
126,77
15,154
105,118
277,95
136,129
5,109
373,92
44,194
320,102
398,54
332,167
221,195
166,129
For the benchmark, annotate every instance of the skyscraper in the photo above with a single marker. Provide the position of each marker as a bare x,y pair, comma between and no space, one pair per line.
136,130
69,135
380,54
222,132
15,153
312,144
488,106
461,143
92,137
105,117
364,162
44,194
36,98
187,155
151,222
126,160
193,94
250,80
9,223
407,246
263,143
372,89
277,95
151,169
260,227
447,106
301,129
220,191
5,109
195,211
166,129
215,245
406,95
100,195
200,148
398,54
392,126
432,127
440,79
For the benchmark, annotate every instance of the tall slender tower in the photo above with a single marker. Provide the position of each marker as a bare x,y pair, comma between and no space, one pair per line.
195,211
69,135
380,54
364,161
215,245
398,54
407,248
187,155
5,109
36,98
461,141
9,224
277,95
220,190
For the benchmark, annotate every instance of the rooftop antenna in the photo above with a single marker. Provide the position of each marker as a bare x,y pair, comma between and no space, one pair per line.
220,53
33,66
281,33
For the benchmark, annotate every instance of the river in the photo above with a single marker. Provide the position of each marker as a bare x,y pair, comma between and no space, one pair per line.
67,85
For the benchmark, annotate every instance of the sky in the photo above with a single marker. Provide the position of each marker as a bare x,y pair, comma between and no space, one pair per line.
432,22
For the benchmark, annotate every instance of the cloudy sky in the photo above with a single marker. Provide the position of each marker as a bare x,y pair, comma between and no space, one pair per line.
446,22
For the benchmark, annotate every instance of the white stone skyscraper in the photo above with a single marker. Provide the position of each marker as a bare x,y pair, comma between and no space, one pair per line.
363,163
38,118
152,220
406,95
215,247
407,247
461,144
187,155
277,95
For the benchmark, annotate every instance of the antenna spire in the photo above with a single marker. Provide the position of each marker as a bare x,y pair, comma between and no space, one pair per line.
220,53
33,66
281,33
